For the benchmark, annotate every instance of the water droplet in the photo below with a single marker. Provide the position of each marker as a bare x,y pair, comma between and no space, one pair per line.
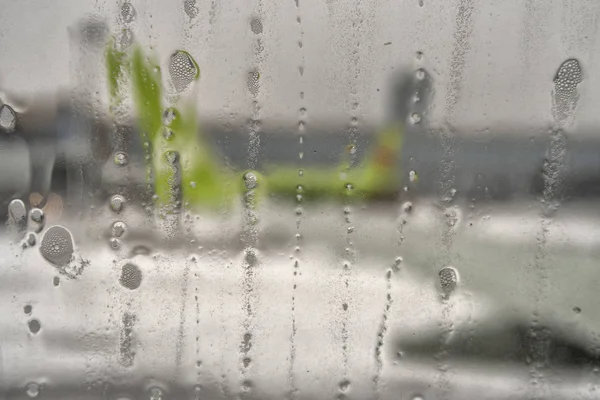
8,118
253,82
420,3
127,13
16,211
32,390
345,384
36,215
31,239
131,276
250,180
28,309
169,116
189,6
34,326
397,262
300,172
116,202
118,229
114,243
412,176
418,397
415,118
350,229
121,159
448,279
183,70
407,207
577,310
419,55
156,393
56,281
256,26
565,95
420,74
167,133
57,245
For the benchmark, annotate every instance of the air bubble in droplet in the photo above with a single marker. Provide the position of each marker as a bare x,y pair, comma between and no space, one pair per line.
57,245
420,74
121,159
116,203
118,229
183,70
32,390
256,26
8,118
127,12
34,326
131,276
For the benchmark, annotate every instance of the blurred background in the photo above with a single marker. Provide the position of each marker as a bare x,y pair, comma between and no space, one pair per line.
335,199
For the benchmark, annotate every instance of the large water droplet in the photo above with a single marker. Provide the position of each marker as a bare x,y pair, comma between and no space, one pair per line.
8,118
16,211
57,245
183,70
131,276
448,279
32,390
118,229
116,202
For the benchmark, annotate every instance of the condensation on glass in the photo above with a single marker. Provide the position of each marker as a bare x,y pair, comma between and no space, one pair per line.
299,200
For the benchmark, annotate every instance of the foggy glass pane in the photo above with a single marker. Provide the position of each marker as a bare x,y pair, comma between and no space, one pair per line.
299,200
